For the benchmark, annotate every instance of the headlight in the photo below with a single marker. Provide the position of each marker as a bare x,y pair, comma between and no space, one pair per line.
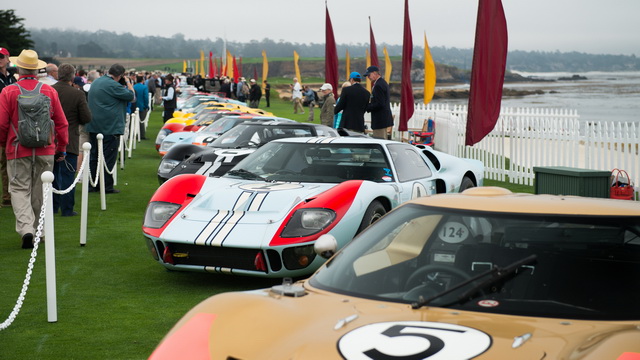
305,222
158,213
166,165
161,135
166,145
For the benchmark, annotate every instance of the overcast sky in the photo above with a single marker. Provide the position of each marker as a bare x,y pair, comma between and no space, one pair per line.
591,26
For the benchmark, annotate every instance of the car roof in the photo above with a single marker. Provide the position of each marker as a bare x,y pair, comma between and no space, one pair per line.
339,140
496,199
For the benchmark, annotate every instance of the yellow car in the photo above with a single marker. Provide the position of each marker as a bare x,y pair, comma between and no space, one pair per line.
485,274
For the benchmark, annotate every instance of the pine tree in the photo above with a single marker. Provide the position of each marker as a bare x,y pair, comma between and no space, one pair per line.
14,36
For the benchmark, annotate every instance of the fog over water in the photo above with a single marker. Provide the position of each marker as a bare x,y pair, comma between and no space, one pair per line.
602,96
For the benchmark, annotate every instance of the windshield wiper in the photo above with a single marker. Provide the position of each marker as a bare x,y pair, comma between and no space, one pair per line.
245,174
497,273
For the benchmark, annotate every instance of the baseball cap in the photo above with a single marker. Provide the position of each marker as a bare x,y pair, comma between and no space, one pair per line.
4,51
326,87
355,75
371,69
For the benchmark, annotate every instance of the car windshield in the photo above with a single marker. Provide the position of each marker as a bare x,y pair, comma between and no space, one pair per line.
221,125
254,135
319,163
583,267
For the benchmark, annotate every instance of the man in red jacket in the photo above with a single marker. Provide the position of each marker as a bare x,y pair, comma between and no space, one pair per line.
26,165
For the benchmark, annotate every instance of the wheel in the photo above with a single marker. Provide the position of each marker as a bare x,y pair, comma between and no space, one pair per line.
374,212
466,184
420,273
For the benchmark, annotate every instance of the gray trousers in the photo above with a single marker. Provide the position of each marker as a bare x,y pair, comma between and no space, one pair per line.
25,187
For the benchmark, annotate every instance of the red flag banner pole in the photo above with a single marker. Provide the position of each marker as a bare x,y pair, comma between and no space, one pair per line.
211,67
487,70
330,55
373,52
406,90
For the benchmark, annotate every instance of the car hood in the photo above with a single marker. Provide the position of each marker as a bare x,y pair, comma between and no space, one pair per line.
257,206
321,325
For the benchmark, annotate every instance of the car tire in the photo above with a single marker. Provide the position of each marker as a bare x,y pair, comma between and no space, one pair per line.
374,212
466,184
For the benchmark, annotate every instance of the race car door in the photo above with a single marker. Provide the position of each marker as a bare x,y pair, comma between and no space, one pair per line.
413,174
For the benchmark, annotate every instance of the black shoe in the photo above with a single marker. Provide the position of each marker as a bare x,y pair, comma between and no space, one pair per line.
6,202
112,191
73,213
27,241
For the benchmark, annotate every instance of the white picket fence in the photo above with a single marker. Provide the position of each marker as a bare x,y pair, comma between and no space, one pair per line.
531,137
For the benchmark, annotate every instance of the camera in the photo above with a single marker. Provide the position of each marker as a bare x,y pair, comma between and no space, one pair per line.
122,81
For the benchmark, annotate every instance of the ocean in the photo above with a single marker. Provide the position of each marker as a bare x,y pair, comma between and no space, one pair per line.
602,96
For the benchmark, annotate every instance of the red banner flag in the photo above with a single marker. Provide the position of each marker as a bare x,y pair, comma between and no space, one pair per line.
239,67
212,71
406,91
372,45
330,55
487,70
235,69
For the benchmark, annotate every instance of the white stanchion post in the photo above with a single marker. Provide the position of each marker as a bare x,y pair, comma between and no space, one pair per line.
101,164
84,206
132,132
121,151
50,250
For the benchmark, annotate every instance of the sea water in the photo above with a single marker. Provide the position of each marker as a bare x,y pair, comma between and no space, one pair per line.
602,96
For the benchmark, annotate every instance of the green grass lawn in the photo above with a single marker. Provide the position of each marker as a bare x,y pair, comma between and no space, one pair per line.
114,300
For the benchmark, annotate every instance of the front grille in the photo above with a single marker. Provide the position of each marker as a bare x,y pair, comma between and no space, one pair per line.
215,256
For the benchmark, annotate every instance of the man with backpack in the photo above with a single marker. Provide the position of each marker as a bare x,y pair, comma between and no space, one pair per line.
33,130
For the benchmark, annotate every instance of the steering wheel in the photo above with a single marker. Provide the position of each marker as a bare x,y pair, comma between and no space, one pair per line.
415,278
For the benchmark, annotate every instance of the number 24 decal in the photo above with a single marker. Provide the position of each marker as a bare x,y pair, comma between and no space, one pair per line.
413,340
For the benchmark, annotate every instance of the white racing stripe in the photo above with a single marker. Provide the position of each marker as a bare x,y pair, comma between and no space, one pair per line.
219,238
211,227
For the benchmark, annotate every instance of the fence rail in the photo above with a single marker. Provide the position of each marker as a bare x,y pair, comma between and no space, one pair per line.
527,137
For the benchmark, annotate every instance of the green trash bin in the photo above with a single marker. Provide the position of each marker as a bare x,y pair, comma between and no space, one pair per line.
561,180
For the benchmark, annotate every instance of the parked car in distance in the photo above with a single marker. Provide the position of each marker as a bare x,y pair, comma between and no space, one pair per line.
213,154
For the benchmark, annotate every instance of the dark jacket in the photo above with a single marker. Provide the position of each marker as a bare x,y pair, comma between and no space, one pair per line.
108,102
353,104
74,105
380,106
255,93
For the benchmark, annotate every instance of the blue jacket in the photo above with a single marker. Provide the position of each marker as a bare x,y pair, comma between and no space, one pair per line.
108,104
142,96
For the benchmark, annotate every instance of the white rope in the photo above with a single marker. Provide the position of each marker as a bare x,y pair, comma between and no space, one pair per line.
85,161
27,279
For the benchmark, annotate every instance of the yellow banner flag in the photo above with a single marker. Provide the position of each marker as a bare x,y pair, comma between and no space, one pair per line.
348,63
295,64
202,73
368,64
387,65
265,67
184,66
429,73
230,73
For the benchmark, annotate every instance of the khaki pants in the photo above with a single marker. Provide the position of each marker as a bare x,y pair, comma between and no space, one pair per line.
380,133
297,106
25,187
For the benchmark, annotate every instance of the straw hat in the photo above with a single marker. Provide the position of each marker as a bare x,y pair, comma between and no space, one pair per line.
28,59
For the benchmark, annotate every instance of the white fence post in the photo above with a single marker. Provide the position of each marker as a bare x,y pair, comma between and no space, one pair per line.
49,246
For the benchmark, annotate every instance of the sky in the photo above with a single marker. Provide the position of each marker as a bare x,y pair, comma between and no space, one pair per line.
590,26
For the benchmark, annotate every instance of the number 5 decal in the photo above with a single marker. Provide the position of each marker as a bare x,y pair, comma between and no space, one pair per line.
413,340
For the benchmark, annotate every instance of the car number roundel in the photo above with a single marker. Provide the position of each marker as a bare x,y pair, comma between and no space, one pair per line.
413,340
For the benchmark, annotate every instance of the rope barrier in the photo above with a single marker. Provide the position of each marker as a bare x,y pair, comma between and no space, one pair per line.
46,212
34,253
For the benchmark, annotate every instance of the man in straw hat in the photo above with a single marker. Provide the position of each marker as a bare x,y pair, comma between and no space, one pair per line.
25,165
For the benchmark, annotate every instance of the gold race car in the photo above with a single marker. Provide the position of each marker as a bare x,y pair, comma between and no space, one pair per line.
485,274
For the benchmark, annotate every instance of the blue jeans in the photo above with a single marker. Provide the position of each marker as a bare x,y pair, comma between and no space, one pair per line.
64,173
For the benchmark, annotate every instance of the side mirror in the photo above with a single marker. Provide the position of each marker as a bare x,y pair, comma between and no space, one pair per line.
326,246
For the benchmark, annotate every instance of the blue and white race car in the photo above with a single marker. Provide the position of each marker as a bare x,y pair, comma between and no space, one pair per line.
263,217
